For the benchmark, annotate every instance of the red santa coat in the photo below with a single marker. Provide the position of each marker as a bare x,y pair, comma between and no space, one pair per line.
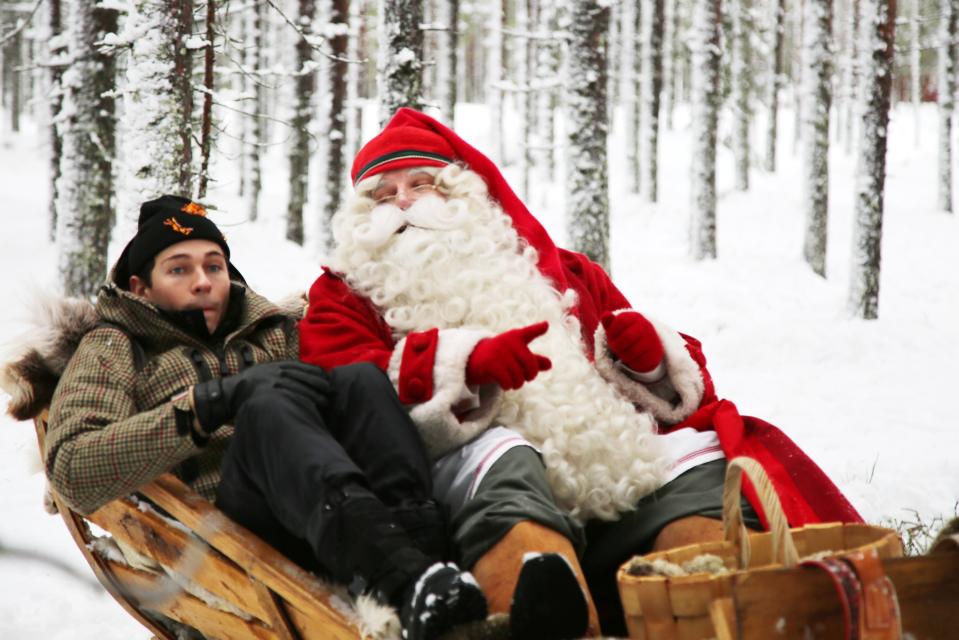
342,327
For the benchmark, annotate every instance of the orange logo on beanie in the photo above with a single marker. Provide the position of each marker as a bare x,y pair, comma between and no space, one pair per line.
194,209
176,226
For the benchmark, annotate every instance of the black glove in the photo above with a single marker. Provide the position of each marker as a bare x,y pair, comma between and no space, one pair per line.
217,401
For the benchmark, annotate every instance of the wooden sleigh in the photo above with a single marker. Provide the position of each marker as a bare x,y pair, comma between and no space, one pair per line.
248,589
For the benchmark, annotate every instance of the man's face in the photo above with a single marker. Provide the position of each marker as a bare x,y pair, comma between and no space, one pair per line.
188,275
403,187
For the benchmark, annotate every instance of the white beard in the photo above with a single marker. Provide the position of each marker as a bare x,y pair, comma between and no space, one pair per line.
601,454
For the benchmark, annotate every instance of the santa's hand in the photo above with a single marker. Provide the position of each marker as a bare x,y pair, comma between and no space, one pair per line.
506,359
632,339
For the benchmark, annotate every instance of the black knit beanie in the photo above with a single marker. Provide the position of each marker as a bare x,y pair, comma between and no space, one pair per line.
164,222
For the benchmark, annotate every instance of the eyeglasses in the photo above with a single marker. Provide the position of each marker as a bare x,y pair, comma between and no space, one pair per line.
419,190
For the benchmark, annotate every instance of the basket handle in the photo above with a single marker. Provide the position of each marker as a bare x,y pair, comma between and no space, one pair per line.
784,550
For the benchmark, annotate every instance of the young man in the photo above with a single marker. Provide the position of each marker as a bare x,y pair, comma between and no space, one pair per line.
191,372
503,345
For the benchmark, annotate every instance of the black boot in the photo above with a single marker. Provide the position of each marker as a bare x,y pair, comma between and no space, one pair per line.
368,550
426,523
440,599
548,603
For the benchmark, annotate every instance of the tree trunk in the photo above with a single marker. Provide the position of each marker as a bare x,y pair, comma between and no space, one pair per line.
775,82
740,90
256,138
632,82
949,10
550,61
13,60
878,37
400,68
206,122
354,130
706,98
817,101
452,17
494,76
158,106
300,151
799,66
587,205
84,202
653,90
336,117
671,67
915,69
56,47
852,81
525,59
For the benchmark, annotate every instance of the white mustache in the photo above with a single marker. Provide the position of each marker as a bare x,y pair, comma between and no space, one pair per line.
429,212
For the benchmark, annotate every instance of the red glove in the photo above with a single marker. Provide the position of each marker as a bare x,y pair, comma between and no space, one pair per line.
506,359
632,339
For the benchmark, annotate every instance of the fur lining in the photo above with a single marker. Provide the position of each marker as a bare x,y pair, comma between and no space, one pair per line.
39,356
440,428
294,305
681,371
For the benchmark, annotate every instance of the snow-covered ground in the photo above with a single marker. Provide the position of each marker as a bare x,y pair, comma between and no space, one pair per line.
870,401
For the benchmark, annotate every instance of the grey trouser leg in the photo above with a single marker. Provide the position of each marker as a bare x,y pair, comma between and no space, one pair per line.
513,490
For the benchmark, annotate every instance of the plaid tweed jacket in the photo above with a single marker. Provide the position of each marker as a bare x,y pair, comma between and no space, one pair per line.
112,424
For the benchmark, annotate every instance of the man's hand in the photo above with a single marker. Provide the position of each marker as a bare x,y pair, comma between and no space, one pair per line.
216,402
632,339
506,359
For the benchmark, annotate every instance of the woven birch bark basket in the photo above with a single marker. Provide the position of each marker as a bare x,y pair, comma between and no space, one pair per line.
677,607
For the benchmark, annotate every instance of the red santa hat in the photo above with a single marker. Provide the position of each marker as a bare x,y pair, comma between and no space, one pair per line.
413,139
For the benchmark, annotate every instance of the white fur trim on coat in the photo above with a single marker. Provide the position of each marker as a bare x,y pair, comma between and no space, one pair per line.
682,373
441,429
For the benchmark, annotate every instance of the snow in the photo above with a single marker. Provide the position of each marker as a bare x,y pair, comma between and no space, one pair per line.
870,401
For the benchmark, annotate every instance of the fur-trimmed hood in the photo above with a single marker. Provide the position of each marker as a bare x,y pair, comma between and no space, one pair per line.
37,358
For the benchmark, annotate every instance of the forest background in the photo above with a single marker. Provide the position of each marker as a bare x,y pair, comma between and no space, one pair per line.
774,177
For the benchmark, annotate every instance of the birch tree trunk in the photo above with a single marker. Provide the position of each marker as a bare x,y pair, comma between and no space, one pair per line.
878,34
817,101
158,105
524,58
949,11
740,90
337,114
587,208
12,61
400,67
706,98
775,82
653,83
300,148
84,189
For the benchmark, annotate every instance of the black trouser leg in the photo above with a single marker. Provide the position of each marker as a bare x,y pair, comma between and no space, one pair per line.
368,420
285,467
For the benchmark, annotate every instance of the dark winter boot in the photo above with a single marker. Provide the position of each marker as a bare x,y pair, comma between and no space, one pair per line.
440,599
548,603
426,524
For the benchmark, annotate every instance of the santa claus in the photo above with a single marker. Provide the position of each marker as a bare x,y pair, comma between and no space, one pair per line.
560,418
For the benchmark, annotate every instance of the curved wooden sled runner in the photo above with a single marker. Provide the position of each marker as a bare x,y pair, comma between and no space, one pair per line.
261,594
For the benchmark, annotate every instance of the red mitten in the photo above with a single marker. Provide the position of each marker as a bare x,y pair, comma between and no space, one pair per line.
632,339
506,359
